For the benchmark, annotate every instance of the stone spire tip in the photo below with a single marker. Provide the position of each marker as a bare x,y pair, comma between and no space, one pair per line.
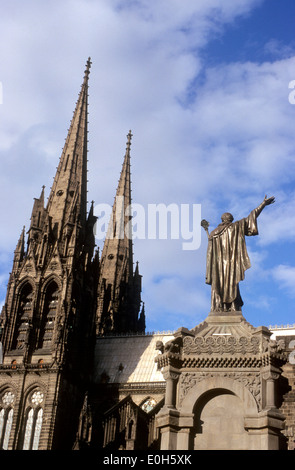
88,65
129,137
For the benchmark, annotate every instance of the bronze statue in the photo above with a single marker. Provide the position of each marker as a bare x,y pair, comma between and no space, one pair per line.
227,257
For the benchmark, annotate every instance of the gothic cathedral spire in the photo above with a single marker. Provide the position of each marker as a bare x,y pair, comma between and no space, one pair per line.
67,203
119,287
48,316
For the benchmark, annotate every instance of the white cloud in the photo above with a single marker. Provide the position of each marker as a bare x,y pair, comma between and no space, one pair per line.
285,275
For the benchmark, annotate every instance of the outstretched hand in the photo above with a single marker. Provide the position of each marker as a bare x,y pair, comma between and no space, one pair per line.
205,225
268,200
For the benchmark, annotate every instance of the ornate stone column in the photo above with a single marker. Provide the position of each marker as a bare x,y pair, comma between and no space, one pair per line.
169,362
270,376
171,376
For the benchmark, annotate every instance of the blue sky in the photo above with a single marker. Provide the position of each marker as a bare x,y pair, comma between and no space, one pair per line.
204,88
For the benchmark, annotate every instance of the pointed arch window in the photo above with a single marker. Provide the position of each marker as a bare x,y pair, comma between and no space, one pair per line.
48,316
6,416
23,315
33,421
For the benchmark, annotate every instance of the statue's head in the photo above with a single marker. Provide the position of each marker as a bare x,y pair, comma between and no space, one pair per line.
227,217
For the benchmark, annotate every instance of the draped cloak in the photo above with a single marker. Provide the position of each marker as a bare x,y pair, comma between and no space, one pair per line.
227,257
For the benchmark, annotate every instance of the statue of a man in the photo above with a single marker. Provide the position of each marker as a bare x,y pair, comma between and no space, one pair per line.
227,257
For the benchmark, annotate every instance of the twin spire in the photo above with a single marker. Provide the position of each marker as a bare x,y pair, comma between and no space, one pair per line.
119,236
69,189
67,202
64,225
119,293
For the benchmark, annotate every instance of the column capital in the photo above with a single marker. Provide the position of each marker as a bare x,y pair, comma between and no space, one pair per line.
170,372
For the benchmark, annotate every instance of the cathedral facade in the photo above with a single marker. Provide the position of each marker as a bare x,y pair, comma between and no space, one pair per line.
78,370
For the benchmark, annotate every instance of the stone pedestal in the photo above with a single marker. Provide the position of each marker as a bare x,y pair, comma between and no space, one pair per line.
221,387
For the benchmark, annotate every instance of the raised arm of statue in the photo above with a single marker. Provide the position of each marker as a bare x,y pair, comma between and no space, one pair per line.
205,225
266,202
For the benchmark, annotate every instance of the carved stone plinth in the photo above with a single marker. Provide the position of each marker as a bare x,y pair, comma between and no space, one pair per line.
221,386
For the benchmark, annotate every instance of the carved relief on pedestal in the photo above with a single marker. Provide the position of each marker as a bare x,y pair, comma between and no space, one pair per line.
221,345
250,380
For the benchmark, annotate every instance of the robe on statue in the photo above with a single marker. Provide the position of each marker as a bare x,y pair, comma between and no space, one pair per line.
227,261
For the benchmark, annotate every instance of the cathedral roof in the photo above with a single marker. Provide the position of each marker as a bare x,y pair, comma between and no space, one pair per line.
128,359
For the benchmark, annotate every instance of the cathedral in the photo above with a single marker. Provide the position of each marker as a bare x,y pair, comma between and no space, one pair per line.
79,372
